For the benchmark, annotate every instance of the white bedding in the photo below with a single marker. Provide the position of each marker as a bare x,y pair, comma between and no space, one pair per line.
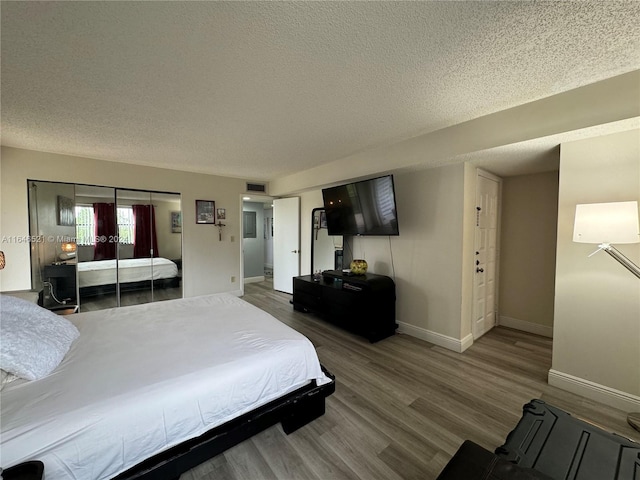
103,272
141,379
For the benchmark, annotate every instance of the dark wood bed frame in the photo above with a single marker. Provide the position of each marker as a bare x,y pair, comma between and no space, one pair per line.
293,411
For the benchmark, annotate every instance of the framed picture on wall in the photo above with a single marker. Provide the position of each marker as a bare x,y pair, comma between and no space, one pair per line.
65,211
176,222
221,214
205,212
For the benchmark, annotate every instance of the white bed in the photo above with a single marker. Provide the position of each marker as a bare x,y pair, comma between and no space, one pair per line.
103,272
141,379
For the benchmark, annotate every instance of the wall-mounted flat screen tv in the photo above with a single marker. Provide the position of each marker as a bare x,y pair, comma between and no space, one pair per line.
362,208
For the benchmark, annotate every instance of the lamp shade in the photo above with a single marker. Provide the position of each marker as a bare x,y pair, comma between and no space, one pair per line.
615,222
68,247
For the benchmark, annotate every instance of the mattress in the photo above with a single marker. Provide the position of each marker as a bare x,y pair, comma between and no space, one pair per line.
103,272
141,379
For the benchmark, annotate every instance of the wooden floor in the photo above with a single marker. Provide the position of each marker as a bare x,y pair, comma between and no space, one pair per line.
402,406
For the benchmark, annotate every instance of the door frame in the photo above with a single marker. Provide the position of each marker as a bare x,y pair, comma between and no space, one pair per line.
499,180
255,198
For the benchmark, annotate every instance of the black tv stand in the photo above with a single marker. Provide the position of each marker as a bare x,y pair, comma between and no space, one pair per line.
363,304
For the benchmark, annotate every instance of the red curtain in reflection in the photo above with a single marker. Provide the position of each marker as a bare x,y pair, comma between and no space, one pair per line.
105,231
145,242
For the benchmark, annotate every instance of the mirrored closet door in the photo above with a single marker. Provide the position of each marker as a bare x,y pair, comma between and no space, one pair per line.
149,246
136,240
52,232
125,246
97,246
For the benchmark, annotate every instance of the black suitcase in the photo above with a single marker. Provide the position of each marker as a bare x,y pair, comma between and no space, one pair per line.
551,441
473,462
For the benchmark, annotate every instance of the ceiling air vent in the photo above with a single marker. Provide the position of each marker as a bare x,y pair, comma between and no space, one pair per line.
256,187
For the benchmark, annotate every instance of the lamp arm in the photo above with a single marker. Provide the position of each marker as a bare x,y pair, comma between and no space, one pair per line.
633,418
619,257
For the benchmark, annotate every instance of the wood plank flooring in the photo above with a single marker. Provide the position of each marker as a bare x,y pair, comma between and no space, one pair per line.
402,406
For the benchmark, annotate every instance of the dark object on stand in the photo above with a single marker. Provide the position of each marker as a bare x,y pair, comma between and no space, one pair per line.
367,207
362,304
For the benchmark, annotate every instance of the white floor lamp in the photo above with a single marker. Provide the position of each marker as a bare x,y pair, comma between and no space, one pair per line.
604,224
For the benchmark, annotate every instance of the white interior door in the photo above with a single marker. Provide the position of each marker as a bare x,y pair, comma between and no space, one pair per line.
486,254
286,243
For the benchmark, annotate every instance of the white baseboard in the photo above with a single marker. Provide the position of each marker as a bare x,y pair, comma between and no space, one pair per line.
600,393
525,326
439,339
254,279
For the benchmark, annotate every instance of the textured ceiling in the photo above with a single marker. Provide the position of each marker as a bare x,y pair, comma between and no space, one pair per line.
265,89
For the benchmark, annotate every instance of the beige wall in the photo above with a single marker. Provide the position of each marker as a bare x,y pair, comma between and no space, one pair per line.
441,313
208,263
597,301
528,252
428,252
426,258
436,219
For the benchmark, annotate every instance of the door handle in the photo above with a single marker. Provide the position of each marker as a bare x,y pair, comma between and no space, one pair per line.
479,270
295,251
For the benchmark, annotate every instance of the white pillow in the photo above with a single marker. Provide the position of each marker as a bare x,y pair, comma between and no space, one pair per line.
34,340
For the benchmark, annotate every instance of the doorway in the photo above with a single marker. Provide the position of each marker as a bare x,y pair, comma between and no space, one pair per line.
270,247
485,284
257,239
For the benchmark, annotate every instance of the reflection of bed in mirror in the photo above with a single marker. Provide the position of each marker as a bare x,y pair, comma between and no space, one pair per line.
99,277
